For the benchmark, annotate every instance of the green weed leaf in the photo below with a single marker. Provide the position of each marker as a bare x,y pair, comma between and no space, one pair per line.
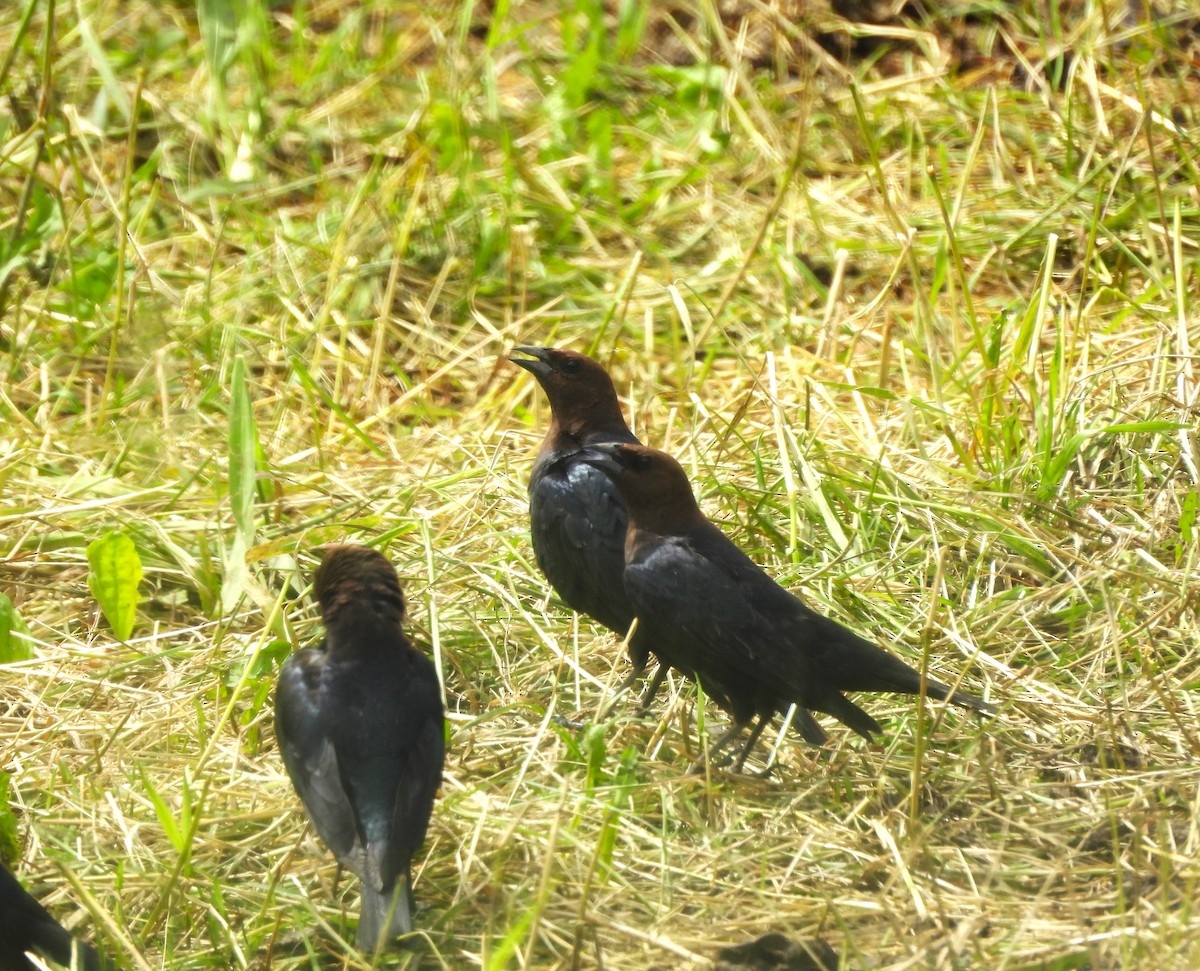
262,662
166,819
218,32
1187,521
114,574
14,635
8,822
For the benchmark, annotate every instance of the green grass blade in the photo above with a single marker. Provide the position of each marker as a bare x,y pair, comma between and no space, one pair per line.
243,453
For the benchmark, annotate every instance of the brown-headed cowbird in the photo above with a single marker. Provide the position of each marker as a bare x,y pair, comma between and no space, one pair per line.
577,518
25,925
360,727
755,648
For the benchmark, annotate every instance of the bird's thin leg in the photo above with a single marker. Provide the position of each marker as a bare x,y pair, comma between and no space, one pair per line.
754,733
628,682
714,750
618,692
652,688
725,738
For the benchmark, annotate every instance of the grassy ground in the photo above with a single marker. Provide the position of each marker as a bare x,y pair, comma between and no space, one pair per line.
912,302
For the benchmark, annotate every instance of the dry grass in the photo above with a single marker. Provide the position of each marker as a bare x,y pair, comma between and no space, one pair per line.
852,343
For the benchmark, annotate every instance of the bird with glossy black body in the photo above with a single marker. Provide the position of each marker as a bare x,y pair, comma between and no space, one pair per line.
360,724
755,648
577,518
25,925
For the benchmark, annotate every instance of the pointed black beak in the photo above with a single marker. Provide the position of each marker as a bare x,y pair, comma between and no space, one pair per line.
540,366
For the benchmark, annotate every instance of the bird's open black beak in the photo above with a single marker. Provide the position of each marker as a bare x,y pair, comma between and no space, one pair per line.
540,366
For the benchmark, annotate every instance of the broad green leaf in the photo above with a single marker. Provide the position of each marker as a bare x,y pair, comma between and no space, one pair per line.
14,635
1187,515
262,662
8,822
236,574
116,571
218,33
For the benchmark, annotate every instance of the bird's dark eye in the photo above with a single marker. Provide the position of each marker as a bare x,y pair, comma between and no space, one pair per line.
571,364
641,462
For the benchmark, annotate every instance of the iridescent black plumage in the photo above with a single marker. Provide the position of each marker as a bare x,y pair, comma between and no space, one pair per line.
577,517
360,727
713,613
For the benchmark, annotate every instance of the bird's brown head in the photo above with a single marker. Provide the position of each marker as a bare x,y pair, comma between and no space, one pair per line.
355,580
582,397
654,486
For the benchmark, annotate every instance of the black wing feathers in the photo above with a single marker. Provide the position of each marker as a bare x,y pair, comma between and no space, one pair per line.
754,646
25,925
361,730
309,755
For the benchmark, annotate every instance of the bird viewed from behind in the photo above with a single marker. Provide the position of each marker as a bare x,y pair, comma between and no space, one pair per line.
360,725
755,648
25,925
577,517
